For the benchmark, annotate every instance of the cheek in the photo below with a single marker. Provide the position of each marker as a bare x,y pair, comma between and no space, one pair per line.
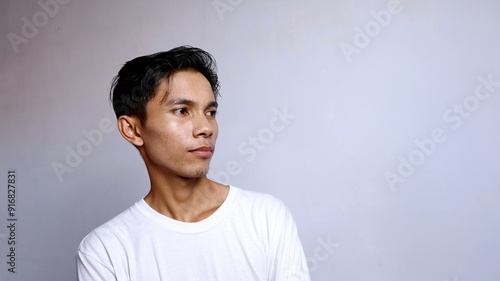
216,131
179,131
172,135
162,136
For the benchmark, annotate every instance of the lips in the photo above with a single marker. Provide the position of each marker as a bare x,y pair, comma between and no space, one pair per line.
203,151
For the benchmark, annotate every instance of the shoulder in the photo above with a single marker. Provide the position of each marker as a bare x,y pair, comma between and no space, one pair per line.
257,198
105,251
110,234
260,202
268,216
264,209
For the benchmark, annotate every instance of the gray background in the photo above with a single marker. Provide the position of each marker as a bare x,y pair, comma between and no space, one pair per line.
372,89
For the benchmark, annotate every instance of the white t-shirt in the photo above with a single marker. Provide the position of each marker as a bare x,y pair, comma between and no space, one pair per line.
251,236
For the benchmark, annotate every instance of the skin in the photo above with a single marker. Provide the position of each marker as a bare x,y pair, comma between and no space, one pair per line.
177,142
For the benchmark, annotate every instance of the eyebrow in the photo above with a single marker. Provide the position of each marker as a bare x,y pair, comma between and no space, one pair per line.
181,101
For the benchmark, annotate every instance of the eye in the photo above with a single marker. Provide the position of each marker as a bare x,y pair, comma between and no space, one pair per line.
212,113
180,111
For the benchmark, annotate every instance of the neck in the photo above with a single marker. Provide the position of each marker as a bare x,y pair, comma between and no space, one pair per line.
186,199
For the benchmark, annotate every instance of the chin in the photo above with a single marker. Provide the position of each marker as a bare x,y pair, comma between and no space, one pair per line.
198,173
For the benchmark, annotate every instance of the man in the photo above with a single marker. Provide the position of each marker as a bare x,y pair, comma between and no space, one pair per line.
187,227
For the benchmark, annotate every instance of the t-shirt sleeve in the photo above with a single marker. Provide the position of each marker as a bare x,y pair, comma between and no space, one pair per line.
89,269
286,256
91,260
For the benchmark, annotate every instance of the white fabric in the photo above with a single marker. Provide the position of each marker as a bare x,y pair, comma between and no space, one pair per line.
251,236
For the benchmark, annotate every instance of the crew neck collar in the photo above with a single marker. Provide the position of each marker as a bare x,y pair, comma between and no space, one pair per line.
190,227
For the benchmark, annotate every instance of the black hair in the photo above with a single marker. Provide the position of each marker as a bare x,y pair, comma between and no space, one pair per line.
137,81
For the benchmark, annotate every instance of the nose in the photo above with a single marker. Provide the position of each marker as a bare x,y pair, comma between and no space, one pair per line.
203,127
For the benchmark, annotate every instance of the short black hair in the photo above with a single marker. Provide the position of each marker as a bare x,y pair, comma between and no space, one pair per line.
137,81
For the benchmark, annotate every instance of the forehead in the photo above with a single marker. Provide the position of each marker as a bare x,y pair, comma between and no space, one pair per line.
187,84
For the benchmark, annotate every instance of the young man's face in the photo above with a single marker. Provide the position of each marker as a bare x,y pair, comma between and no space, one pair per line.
180,131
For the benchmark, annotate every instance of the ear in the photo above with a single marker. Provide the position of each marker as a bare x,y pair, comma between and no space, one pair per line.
130,128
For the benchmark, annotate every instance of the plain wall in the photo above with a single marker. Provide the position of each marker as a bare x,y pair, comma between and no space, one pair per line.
386,146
